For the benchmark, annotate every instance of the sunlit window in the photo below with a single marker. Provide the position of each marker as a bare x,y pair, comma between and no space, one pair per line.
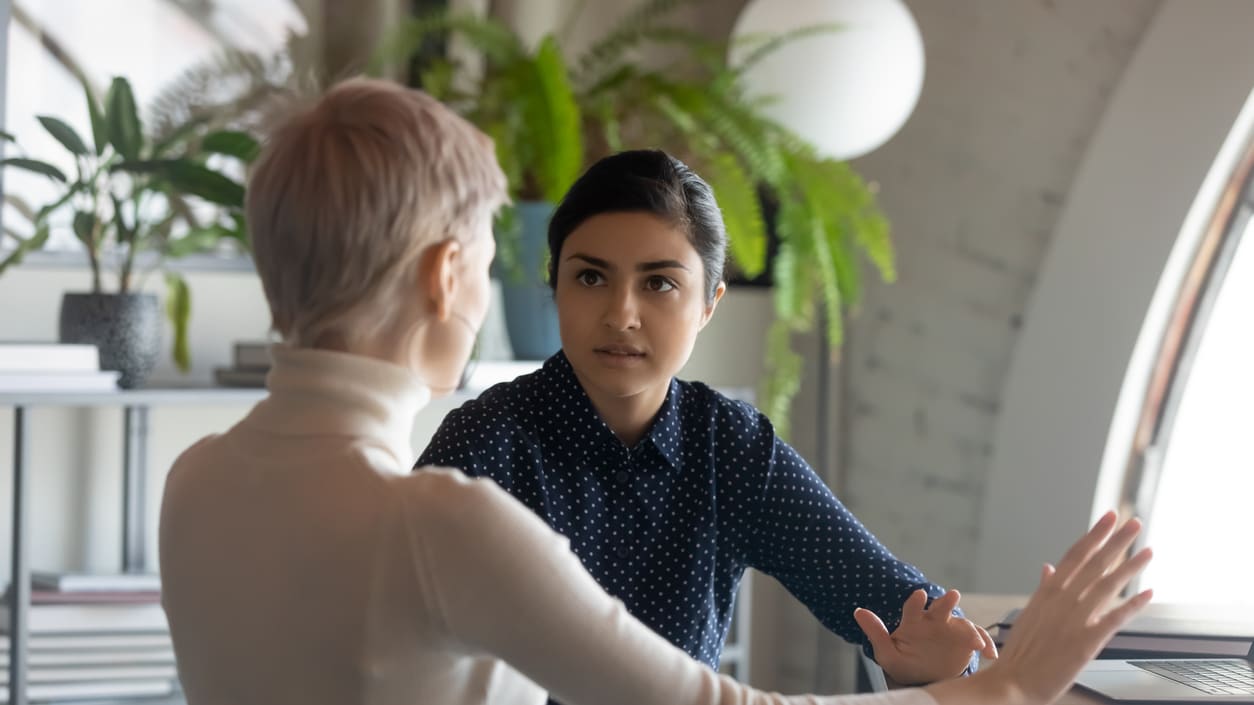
150,42
1200,511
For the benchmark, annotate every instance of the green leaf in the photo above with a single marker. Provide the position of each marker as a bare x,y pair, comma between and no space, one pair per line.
231,143
848,273
438,79
794,274
30,244
627,34
825,225
85,228
736,126
178,307
197,180
783,378
43,213
188,177
489,36
763,45
787,290
21,205
239,230
7,137
829,284
99,127
866,222
873,235
553,123
125,232
508,232
36,166
178,136
198,240
64,134
737,197
126,133
696,50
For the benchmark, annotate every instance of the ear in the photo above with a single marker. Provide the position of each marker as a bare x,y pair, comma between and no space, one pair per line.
709,310
437,277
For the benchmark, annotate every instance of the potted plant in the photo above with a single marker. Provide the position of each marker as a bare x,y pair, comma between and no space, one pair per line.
552,115
525,101
132,193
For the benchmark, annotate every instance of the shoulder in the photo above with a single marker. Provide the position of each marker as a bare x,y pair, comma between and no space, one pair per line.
201,455
508,405
448,503
729,416
438,486
479,435
195,472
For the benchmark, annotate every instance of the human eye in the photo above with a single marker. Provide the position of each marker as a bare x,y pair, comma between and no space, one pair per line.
659,284
589,277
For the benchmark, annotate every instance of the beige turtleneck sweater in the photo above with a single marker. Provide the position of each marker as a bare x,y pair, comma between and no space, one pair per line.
302,563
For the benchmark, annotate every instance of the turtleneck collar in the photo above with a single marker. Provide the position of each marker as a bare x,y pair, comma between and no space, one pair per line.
327,393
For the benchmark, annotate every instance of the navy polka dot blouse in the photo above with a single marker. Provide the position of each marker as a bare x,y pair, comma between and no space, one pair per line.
669,525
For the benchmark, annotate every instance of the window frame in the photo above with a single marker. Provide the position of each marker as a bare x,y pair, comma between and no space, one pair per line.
1182,338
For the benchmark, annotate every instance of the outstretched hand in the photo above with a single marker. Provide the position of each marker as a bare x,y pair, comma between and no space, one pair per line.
930,644
1071,616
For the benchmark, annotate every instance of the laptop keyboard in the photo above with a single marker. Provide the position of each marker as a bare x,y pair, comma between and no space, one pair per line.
1215,676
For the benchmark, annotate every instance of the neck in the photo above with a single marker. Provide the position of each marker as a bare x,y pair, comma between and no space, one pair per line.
628,417
385,348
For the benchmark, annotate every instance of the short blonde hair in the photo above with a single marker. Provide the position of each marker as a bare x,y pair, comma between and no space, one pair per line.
346,194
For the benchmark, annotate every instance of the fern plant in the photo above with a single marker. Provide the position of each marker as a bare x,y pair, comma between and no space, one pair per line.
551,117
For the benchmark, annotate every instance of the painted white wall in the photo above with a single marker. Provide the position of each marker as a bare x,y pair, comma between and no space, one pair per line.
1165,134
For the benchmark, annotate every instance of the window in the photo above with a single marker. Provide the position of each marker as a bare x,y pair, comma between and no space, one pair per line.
150,42
1195,483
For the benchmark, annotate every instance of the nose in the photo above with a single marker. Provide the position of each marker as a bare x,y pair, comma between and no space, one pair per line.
621,310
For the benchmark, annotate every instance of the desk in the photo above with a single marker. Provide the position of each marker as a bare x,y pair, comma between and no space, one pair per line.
989,609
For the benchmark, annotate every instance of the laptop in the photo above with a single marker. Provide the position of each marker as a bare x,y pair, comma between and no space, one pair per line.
1191,680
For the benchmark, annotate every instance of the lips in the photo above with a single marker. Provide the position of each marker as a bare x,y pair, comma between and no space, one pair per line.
620,350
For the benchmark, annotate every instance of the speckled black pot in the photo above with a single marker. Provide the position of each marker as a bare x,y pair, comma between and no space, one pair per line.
126,328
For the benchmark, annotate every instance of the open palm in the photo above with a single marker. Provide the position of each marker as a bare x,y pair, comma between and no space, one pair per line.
930,644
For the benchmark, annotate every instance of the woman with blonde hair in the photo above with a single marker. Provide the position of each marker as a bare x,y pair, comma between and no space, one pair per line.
302,562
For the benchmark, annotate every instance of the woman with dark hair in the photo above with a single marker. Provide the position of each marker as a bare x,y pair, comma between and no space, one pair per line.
667,489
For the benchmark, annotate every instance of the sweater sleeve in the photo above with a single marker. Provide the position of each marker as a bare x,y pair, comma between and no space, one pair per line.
506,585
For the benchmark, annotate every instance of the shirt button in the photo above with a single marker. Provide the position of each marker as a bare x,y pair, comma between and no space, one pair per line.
622,477
622,551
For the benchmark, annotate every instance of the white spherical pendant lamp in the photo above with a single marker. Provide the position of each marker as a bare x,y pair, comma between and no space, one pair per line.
847,91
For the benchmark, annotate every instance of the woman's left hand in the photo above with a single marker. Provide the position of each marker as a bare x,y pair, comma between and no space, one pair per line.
931,644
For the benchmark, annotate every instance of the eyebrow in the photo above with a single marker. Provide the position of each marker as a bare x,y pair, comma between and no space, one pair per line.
642,267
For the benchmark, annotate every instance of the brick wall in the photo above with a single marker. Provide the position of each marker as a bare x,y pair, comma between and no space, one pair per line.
973,185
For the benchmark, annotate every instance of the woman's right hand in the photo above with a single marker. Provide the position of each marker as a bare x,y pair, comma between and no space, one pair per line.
1068,620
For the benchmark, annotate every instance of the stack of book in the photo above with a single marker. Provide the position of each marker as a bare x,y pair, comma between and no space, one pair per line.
53,367
94,636
250,365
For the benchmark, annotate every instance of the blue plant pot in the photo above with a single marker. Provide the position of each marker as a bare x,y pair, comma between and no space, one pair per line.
530,315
